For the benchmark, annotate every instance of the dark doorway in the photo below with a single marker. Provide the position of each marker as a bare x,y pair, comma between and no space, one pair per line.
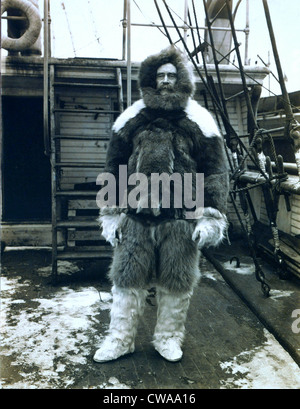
26,169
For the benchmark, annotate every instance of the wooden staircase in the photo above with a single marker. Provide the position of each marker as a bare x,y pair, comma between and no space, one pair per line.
82,111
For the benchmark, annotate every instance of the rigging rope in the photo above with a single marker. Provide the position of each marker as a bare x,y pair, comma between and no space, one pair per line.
147,18
97,36
69,28
226,57
271,194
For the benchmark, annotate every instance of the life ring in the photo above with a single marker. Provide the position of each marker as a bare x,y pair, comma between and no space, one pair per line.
34,25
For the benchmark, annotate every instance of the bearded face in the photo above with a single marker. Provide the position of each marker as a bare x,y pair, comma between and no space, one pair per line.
166,78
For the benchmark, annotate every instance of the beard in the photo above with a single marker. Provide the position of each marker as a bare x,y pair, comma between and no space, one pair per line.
166,89
166,97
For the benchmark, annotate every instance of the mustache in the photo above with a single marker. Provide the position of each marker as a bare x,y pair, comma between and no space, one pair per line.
167,87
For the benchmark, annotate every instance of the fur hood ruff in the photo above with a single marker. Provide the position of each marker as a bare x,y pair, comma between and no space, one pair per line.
183,89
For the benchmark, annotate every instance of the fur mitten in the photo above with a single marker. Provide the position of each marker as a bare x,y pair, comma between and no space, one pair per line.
111,227
210,228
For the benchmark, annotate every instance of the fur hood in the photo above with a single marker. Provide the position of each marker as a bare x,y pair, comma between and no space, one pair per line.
184,87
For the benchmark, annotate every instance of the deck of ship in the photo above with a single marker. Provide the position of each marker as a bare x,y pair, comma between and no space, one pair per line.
236,338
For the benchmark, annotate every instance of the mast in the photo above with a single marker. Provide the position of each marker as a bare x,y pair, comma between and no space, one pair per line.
292,126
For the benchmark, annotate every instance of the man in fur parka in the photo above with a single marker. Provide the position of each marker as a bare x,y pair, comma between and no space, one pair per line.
166,131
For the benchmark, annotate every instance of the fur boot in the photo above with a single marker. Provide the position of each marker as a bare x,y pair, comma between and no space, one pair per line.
170,326
127,307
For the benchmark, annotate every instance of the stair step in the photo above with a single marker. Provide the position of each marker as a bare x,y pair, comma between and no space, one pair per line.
82,84
82,138
78,165
72,255
78,223
86,111
75,193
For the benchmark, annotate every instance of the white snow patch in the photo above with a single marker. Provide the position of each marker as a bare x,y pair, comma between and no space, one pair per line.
49,337
113,383
266,367
275,294
211,276
8,288
105,297
243,269
9,285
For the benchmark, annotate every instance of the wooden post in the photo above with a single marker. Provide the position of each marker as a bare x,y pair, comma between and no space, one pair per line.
128,54
247,31
124,23
46,78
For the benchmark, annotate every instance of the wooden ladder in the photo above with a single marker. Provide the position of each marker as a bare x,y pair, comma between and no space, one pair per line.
81,117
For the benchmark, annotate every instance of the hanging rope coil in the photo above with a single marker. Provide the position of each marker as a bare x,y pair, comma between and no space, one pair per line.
31,33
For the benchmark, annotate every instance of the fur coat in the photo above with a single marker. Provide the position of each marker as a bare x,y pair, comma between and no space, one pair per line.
170,133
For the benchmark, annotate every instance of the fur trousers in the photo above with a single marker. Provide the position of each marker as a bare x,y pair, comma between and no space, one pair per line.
164,253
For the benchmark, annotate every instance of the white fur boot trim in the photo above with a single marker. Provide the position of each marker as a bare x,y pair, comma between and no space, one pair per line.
170,327
127,307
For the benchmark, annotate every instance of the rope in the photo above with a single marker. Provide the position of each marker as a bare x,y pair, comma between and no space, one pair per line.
234,65
147,18
243,189
69,28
